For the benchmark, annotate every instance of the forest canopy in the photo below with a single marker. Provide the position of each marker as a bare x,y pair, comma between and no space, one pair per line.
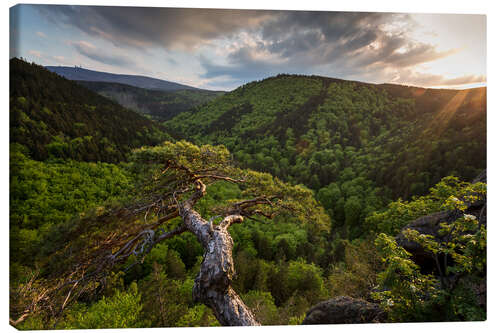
284,193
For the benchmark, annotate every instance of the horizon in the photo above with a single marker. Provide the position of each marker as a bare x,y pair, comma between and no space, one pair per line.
480,85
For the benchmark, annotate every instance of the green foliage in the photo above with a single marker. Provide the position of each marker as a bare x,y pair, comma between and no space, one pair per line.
329,154
286,281
355,273
262,305
292,203
120,311
47,194
399,213
198,316
296,320
305,279
157,104
460,255
52,116
288,229
168,302
359,146
411,294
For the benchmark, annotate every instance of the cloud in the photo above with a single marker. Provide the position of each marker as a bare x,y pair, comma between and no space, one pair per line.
35,53
329,43
461,80
90,51
326,34
252,70
149,27
415,54
41,34
432,80
60,59
242,45
47,57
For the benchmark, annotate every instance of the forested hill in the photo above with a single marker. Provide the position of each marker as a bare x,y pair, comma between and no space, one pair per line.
157,104
83,74
106,245
356,144
53,116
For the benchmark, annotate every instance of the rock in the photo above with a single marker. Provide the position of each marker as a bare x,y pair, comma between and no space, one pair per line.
430,225
427,225
344,310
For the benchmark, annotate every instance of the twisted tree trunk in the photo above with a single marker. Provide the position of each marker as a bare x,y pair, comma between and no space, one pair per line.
212,286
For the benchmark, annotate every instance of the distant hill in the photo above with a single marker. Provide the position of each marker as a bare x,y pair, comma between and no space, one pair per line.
325,132
82,74
157,104
53,116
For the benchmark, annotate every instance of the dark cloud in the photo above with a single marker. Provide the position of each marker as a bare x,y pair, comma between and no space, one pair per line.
99,55
149,26
323,32
296,42
342,43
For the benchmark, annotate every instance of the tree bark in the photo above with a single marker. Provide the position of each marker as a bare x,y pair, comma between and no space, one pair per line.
212,286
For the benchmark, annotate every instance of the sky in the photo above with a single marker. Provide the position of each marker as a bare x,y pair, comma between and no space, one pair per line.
222,49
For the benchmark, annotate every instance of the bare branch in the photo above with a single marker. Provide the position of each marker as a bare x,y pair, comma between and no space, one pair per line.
229,220
175,232
218,177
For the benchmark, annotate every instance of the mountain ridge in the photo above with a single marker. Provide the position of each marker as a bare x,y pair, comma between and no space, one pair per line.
82,74
157,104
321,131
53,116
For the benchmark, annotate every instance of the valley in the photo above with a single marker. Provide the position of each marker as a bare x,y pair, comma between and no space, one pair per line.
315,179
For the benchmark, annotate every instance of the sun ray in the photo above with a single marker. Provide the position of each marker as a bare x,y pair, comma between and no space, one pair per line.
440,123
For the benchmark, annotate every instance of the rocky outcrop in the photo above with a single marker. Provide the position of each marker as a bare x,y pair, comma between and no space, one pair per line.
430,225
427,225
344,310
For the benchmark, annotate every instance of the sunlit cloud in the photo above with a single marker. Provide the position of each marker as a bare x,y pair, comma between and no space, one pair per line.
59,58
35,53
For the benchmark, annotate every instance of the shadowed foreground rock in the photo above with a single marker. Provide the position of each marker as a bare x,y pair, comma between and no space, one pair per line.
344,310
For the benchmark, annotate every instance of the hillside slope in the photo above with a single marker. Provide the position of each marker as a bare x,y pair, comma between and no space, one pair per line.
358,145
52,116
157,104
355,144
83,74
